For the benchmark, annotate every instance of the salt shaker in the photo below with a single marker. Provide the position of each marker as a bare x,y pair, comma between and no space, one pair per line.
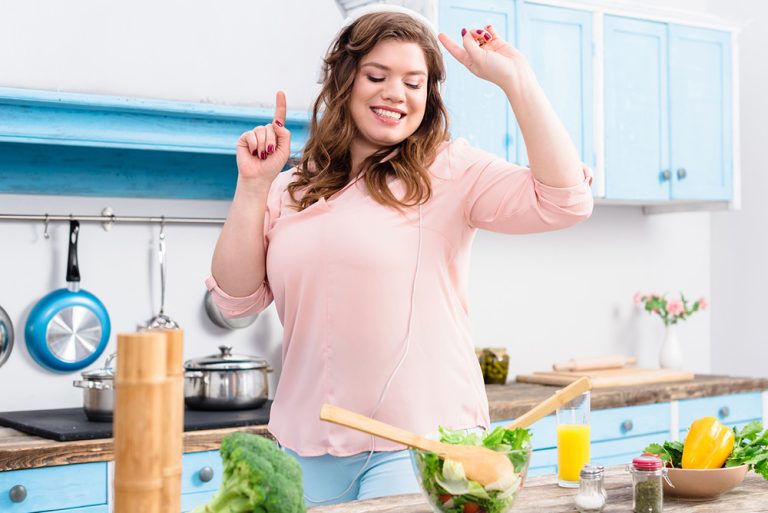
591,496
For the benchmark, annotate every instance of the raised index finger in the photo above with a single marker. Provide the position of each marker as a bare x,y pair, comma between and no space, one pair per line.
280,108
459,53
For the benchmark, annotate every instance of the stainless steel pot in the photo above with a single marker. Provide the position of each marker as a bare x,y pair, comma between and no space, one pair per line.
226,381
98,391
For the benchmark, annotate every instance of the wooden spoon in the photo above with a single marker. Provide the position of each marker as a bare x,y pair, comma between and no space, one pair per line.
552,403
480,464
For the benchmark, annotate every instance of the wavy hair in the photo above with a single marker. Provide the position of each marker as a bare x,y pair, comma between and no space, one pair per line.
324,167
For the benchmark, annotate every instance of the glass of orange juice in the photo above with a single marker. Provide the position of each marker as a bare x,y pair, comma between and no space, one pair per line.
572,440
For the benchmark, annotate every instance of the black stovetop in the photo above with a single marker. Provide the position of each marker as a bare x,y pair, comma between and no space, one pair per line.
68,424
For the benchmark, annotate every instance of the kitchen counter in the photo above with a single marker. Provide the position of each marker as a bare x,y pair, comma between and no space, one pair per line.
541,494
19,450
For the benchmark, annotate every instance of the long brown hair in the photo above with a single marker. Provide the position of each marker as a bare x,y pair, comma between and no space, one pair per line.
325,164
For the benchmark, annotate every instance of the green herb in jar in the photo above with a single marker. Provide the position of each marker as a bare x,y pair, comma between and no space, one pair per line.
649,496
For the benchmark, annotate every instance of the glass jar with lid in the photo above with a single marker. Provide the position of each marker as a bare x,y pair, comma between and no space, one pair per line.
647,490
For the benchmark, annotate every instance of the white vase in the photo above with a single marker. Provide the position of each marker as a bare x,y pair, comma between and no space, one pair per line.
671,355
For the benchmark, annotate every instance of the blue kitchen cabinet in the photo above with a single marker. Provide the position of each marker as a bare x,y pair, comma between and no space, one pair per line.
701,154
636,109
558,44
668,129
200,478
732,410
78,488
478,110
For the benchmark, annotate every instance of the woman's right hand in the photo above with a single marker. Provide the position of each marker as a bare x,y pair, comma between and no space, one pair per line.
263,151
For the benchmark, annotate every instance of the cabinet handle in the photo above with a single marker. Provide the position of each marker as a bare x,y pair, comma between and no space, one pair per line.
18,493
681,173
627,426
666,175
206,474
723,412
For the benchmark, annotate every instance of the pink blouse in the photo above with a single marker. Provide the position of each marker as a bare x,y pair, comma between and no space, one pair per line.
340,273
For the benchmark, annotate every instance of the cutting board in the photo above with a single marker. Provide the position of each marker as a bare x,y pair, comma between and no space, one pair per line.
608,378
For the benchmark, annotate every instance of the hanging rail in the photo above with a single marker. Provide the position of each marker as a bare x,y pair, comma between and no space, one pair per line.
107,219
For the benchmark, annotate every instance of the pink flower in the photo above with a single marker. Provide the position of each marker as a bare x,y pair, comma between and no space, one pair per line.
638,297
703,304
675,307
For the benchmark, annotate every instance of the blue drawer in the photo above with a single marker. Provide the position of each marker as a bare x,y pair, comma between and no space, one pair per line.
192,464
190,501
55,488
632,421
730,409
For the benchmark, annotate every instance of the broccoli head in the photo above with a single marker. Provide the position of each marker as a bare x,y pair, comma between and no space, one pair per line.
258,478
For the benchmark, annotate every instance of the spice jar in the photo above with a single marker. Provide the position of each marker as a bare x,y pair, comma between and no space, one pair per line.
591,496
647,491
494,362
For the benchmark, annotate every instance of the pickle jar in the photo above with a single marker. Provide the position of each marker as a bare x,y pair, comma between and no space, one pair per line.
647,490
494,362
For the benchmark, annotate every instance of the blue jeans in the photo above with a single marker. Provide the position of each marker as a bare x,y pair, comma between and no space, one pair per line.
327,478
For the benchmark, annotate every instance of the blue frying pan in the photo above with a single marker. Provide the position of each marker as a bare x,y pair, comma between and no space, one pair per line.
68,329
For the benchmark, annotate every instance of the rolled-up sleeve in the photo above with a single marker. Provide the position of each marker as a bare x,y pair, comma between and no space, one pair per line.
262,297
507,198
232,306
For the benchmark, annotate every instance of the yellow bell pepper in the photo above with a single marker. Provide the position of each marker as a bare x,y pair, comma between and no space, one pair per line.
708,444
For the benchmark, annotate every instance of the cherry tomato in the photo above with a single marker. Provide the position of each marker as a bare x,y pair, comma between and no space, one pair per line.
471,507
445,497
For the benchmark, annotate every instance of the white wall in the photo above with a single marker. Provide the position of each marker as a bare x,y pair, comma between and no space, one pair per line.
547,297
740,239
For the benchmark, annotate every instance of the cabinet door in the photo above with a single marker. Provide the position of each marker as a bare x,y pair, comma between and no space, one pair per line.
479,110
700,113
558,44
636,109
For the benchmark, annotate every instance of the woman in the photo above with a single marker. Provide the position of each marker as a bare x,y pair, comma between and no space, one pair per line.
364,246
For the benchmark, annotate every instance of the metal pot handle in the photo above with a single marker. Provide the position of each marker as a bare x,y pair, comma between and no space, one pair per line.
98,385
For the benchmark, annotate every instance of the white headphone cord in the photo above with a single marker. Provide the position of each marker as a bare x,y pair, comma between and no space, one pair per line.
391,376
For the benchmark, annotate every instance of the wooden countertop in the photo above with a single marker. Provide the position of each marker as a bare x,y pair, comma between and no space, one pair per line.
542,495
19,450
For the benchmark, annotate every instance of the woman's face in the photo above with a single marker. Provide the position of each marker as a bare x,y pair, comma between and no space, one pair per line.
389,94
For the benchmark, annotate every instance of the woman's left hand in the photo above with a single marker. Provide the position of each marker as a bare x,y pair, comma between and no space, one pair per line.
485,54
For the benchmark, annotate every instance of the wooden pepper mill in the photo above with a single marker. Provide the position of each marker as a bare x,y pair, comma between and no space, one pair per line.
148,422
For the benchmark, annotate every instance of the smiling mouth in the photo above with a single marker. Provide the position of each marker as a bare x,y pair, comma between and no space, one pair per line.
388,114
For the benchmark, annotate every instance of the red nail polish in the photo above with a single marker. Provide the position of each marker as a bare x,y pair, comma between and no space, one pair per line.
255,153
479,31
463,32
487,37
263,155
277,122
270,148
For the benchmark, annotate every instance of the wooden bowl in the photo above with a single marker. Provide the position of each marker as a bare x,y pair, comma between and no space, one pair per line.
703,483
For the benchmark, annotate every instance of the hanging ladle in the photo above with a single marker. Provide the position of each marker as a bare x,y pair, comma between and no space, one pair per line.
161,320
481,464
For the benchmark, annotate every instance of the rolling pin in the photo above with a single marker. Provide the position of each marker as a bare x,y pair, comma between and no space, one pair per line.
597,363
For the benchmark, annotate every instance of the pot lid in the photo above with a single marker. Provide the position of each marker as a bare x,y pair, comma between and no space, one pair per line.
105,373
225,360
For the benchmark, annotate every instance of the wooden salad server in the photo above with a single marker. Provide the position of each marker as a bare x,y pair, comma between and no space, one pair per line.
480,464
547,406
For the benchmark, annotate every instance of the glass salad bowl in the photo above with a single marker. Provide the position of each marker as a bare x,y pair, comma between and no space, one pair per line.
447,488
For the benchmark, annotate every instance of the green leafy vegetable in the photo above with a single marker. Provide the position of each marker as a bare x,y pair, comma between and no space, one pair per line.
258,477
447,485
750,448
669,452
